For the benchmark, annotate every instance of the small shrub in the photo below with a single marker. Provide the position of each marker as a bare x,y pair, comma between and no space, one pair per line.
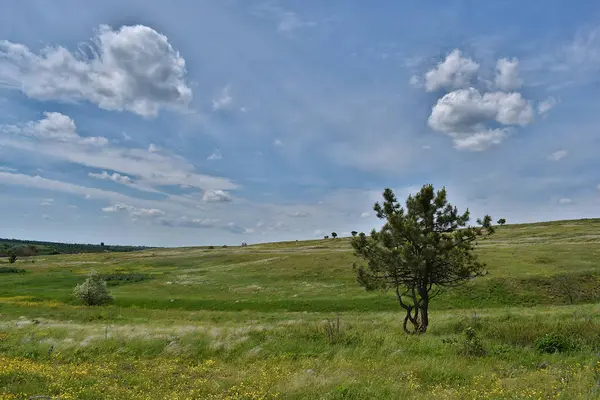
502,350
12,258
121,277
554,343
335,333
450,341
211,247
224,246
473,321
472,346
93,291
11,270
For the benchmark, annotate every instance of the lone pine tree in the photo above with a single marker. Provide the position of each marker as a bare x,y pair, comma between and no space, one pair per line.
419,252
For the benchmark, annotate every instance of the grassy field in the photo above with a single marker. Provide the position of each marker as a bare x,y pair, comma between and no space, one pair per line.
287,320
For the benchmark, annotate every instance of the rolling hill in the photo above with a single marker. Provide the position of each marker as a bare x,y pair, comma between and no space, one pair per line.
287,320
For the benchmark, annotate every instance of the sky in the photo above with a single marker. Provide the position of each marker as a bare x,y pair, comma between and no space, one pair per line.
221,122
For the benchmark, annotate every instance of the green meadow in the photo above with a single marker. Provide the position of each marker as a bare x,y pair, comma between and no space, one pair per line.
288,321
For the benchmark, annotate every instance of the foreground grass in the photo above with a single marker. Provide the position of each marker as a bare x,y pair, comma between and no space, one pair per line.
112,354
262,322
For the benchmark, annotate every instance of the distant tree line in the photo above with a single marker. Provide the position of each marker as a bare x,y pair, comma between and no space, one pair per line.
28,248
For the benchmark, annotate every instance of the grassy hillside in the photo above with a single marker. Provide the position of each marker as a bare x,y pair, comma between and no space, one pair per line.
253,323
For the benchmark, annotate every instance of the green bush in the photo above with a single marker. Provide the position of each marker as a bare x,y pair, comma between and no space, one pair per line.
11,270
121,277
93,291
554,343
472,346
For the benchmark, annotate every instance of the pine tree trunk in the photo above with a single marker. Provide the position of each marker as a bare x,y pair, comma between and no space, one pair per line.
424,323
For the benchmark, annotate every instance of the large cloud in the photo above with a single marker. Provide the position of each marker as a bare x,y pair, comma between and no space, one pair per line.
477,120
467,110
464,114
454,72
133,68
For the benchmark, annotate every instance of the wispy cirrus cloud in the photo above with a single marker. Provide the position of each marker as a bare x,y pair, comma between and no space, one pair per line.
286,20
224,100
56,137
558,155
216,155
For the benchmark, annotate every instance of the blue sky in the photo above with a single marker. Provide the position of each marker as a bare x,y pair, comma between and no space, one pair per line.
213,122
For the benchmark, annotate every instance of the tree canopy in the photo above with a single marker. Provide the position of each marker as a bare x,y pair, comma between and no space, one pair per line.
420,251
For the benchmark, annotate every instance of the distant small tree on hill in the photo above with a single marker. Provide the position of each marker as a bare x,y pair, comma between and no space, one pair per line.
419,252
12,258
325,237
101,244
333,235
354,233
501,221
93,291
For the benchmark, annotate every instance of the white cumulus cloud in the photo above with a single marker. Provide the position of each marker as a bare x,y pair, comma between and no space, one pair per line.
216,196
55,127
454,72
464,115
507,74
546,105
481,140
134,68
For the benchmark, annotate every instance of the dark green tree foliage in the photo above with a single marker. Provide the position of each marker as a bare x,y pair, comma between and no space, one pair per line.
354,233
333,235
419,252
26,248
501,221
12,258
